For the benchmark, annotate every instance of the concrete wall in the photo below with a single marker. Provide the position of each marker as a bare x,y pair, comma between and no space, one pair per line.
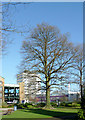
21,91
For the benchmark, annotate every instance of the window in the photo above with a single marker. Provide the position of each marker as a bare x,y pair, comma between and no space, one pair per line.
19,81
6,90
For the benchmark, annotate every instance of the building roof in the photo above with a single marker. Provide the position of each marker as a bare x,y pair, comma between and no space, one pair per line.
11,85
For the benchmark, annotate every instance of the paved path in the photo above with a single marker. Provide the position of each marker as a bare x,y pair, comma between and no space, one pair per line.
5,110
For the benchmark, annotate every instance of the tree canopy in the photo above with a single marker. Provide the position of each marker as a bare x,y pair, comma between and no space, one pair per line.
48,52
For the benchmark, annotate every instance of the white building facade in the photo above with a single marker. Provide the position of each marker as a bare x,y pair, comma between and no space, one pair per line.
32,85
73,96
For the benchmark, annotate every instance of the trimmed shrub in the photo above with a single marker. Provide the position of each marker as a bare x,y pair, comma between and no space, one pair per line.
40,105
62,104
26,104
75,105
70,104
53,104
20,106
30,106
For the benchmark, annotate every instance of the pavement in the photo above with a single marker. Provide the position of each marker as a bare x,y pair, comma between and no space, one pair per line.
1,109
5,110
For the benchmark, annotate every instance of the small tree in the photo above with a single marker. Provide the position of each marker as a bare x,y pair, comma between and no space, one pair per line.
78,67
49,53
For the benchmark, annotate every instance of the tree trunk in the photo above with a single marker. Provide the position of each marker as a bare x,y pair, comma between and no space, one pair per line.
81,91
47,96
81,83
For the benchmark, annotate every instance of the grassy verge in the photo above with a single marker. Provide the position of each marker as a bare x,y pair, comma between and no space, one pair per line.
60,112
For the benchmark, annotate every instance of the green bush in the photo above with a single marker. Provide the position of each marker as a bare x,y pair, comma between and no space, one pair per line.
40,105
70,104
62,104
76,105
66,104
53,104
20,106
81,114
26,105
30,106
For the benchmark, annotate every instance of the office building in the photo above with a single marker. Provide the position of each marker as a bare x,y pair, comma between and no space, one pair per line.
32,85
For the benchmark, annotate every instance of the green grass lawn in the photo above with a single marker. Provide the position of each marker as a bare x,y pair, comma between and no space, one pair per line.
41,113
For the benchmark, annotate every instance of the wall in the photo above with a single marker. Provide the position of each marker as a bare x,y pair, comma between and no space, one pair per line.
21,91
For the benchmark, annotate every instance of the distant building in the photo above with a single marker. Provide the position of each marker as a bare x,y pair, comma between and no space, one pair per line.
13,93
32,85
73,96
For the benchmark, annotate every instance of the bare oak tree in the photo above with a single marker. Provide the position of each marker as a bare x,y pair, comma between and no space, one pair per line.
49,53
